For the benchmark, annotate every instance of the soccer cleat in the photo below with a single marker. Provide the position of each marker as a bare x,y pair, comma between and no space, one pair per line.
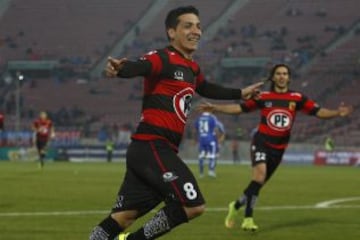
123,236
212,173
40,166
231,216
249,225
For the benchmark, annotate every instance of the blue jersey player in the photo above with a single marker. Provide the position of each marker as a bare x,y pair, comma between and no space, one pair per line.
210,131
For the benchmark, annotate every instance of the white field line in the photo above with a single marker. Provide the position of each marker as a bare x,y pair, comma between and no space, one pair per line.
336,201
220,209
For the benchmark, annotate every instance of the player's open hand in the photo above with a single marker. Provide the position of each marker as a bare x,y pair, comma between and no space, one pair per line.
113,66
251,91
345,110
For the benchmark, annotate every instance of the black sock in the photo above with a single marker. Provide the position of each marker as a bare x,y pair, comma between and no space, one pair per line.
42,158
108,229
164,220
251,192
240,202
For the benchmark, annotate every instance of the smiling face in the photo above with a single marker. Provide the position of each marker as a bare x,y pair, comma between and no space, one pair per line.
281,79
186,35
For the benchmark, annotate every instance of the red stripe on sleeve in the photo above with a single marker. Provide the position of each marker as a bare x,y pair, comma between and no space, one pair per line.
249,105
156,64
309,106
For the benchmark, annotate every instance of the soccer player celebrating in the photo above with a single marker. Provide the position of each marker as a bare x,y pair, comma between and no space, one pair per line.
43,130
210,133
278,110
154,171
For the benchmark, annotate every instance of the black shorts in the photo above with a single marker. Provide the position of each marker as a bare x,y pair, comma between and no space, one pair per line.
263,153
154,173
41,144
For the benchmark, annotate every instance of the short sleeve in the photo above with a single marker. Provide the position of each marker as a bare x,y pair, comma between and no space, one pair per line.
249,105
155,60
308,106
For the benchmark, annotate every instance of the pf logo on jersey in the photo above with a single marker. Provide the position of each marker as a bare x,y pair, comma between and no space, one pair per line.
182,103
279,120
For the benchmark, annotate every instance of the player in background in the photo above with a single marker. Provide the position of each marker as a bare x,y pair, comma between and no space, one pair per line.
43,131
210,133
2,120
109,147
220,137
329,143
2,126
278,108
154,171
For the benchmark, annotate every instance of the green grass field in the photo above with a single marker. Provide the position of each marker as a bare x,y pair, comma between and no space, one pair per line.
66,200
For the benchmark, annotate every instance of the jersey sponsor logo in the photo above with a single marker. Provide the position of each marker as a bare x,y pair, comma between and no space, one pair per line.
179,75
182,103
279,120
268,104
169,177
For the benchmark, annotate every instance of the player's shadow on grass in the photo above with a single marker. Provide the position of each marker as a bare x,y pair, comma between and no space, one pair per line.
289,224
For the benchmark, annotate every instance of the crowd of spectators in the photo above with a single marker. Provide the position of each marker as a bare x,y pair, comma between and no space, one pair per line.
246,40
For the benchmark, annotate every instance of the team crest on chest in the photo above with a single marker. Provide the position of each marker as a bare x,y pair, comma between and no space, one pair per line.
292,106
279,120
182,103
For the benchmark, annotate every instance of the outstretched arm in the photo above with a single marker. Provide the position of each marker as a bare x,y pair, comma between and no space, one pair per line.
220,108
341,111
52,132
214,91
127,69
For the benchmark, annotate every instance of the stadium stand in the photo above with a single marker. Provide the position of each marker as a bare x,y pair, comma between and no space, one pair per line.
80,32
68,29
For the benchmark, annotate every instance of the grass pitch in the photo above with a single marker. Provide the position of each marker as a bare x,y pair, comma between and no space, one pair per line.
66,200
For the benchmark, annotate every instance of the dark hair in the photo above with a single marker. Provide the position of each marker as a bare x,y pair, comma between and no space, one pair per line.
172,20
272,73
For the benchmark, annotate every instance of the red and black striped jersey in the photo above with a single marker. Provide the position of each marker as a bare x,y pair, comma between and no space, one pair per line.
42,128
278,112
168,91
